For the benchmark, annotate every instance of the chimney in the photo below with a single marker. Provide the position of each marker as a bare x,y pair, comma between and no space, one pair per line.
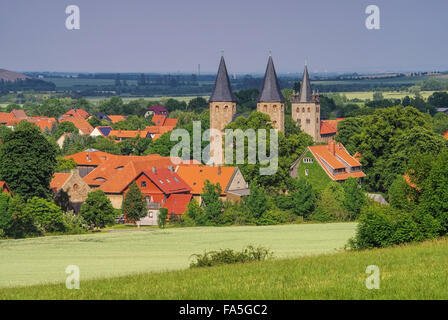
332,147
154,169
219,170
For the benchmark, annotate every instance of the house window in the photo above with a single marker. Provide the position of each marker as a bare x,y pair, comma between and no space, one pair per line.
143,184
307,172
307,160
150,214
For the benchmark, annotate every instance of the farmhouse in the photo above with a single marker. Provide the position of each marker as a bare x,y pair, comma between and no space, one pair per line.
72,184
231,180
322,163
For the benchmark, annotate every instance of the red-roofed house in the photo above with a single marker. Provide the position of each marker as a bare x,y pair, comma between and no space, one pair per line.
83,126
5,188
322,161
446,134
80,113
89,160
152,110
233,185
75,187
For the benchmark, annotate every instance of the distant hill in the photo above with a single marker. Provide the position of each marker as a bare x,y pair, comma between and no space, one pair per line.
7,75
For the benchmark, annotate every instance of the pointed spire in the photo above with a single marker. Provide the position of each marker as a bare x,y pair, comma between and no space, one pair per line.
222,92
270,91
305,87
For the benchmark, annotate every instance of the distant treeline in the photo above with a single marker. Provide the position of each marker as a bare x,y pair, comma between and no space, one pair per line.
26,85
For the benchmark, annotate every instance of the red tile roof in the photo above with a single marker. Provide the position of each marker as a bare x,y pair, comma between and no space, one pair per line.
116,118
91,157
158,119
171,122
128,133
76,113
8,119
83,126
58,180
167,180
196,175
446,134
340,159
19,114
329,126
43,122
177,203
5,188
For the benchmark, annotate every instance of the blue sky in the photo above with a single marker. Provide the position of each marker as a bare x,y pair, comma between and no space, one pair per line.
176,36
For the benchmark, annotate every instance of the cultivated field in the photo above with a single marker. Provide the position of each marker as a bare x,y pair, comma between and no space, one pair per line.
368,95
416,271
43,260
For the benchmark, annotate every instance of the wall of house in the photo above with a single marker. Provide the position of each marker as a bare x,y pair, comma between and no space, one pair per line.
316,175
115,199
238,182
76,188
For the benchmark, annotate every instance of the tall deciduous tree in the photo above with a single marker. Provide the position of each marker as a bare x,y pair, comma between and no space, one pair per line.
211,201
28,161
133,205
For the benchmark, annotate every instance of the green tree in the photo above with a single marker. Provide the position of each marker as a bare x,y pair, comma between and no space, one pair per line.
195,213
28,161
354,198
304,199
17,222
161,218
211,202
46,214
97,210
198,104
257,201
331,201
134,207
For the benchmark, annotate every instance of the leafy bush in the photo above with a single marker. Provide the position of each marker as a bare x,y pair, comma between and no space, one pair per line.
381,226
229,256
321,215
97,210
275,216
161,218
74,223
46,214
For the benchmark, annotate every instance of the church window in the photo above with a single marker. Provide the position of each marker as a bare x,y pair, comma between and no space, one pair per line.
217,108
265,108
303,109
275,107
317,109
298,110
309,109
308,121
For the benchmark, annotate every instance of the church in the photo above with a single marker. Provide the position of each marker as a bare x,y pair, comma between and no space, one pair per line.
305,104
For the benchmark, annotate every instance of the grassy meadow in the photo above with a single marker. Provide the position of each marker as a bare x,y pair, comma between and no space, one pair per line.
415,271
110,254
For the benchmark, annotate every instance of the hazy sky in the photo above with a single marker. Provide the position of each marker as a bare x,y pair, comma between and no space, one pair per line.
177,35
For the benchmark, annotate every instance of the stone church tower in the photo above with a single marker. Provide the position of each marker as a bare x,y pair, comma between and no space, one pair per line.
222,100
305,107
271,100
222,109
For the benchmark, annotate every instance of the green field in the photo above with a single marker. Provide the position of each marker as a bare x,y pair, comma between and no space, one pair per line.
368,95
417,271
111,254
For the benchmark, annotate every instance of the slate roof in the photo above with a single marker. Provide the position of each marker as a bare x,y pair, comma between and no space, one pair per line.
305,87
222,92
270,92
